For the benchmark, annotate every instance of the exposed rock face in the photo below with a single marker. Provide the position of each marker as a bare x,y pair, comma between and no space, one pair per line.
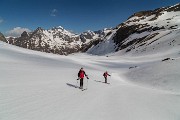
145,21
2,38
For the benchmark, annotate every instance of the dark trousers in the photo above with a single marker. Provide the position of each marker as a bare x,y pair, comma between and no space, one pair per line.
81,82
105,79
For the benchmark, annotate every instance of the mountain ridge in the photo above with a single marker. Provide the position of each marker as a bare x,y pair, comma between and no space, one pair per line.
56,40
143,30
140,30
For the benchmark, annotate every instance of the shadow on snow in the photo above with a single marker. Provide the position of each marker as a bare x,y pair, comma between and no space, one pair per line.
101,82
71,85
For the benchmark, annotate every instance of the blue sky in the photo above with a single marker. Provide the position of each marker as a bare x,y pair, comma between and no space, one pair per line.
75,15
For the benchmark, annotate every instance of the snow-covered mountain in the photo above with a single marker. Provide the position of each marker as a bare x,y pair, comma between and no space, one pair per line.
57,40
144,32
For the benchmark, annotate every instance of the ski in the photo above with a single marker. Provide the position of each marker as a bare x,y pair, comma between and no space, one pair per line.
84,89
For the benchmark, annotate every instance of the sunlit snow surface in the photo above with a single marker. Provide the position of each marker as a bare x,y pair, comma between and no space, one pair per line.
41,86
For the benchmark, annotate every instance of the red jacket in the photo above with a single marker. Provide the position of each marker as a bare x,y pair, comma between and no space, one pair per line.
81,74
106,74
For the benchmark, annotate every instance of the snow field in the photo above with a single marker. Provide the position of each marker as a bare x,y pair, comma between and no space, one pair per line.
41,86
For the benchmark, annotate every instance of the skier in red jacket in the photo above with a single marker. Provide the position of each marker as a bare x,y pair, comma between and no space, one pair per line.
105,76
81,75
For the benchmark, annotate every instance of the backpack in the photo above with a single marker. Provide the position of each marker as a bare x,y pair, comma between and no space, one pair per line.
104,74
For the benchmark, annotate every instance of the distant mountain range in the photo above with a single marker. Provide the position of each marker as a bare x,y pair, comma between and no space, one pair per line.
143,31
57,40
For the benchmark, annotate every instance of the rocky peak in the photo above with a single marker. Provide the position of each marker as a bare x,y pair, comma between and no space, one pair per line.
59,28
39,30
173,8
142,13
2,38
87,35
24,34
157,12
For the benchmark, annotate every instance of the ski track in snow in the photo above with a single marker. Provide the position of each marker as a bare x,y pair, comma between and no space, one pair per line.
41,86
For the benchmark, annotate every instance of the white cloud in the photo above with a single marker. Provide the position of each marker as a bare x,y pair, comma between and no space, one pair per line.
17,31
54,12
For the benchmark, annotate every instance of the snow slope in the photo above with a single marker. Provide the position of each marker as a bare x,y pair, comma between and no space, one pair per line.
41,86
145,31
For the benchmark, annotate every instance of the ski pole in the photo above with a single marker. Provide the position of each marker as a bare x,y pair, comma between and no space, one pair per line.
87,84
77,82
87,81
110,79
